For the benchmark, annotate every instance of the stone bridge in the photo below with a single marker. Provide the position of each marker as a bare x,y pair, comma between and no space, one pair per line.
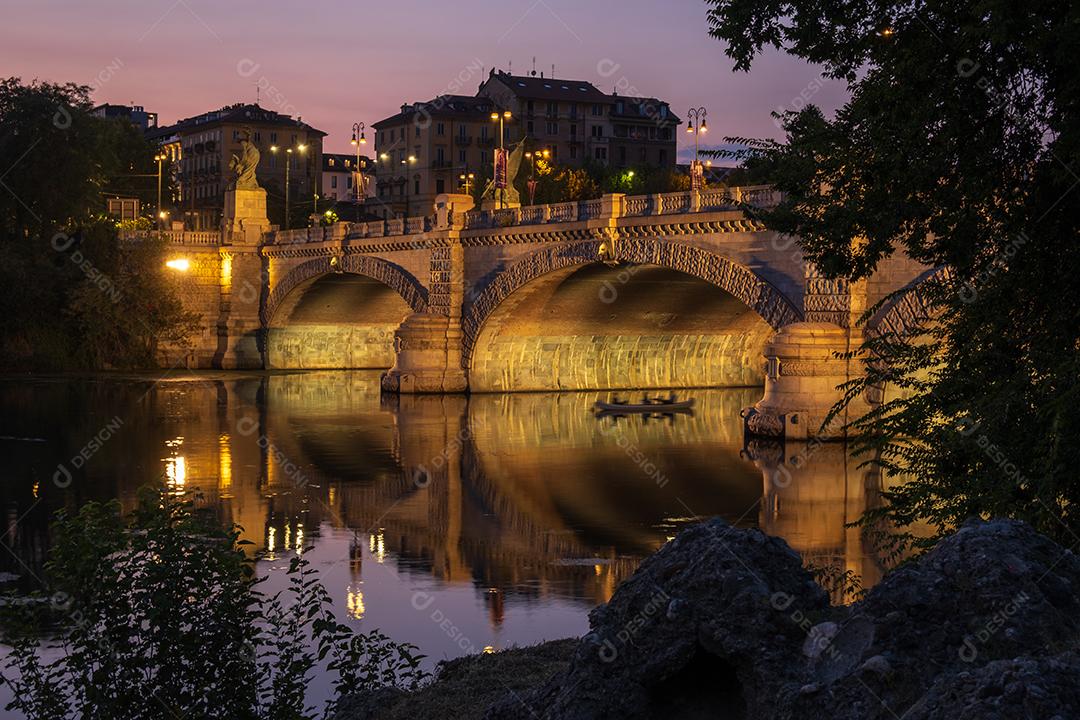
675,290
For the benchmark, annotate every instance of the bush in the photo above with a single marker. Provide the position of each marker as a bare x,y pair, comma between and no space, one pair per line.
161,616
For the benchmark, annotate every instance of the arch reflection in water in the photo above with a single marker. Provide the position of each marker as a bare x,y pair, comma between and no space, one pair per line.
513,514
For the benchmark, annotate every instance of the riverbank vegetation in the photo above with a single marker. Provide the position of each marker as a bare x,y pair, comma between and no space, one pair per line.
959,145
74,295
159,614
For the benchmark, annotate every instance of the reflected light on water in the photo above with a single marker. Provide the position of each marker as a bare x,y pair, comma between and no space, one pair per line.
224,466
354,602
175,466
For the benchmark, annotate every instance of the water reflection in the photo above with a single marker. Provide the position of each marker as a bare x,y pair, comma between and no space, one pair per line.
455,523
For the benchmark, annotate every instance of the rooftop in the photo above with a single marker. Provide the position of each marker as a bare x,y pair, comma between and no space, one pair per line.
238,114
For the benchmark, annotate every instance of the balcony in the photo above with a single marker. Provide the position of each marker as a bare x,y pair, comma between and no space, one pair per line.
463,141
441,164
485,142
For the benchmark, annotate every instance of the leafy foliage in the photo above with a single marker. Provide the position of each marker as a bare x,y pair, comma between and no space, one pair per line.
75,295
161,617
957,147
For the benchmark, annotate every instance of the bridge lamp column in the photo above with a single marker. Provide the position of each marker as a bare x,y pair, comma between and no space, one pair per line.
501,118
696,125
358,139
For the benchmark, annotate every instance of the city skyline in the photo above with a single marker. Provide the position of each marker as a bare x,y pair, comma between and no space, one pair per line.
316,72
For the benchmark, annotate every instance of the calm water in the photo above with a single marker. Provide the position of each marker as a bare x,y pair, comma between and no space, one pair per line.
453,523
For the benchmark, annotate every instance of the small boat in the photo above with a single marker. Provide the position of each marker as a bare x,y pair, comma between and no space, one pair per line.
651,406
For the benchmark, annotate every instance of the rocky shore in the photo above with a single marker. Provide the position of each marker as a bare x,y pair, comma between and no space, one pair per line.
726,623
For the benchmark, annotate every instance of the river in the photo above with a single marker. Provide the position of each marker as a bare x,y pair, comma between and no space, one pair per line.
455,523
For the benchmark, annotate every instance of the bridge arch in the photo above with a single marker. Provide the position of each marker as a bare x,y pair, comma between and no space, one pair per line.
391,275
909,307
338,315
755,310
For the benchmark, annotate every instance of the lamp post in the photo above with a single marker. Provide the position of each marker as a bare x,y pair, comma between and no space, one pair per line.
160,157
501,117
407,163
696,124
532,181
358,139
466,180
301,148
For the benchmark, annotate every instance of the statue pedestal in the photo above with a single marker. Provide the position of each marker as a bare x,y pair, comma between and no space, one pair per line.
245,220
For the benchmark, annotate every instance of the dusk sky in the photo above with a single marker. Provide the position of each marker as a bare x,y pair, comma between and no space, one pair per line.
336,62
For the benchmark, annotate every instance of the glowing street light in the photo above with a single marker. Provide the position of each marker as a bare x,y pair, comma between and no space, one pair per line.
408,181
180,264
501,118
358,139
301,148
696,124
466,180
160,158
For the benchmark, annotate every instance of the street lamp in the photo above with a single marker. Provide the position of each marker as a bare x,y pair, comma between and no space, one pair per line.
466,180
532,181
160,157
501,118
358,130
408,181
696,124
301,148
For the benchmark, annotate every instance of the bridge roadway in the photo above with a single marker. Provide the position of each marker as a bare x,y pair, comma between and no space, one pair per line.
674,290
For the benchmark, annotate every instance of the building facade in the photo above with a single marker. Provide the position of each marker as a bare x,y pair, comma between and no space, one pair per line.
581,124
426,148
201,147
341,175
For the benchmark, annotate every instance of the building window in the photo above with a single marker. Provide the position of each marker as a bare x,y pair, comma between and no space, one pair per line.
529,127
439,129
483,132
622,154
333,181
553,109
439,155
440,186
235,135
598,131
461,156
573,152
330,162
597,110
573,130
393,134
601,153
529,106
417,131
348,182
416,187
552,128
273,137
461,131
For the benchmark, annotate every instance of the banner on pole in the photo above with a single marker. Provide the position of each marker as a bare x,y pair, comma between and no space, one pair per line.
500,168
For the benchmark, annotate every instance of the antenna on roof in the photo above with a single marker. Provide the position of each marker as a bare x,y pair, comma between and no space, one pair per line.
534,66
510,67
552,71
256,93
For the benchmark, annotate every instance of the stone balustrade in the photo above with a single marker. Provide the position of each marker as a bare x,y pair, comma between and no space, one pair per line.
757,196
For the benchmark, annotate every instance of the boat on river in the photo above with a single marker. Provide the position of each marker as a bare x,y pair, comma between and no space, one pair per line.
647,406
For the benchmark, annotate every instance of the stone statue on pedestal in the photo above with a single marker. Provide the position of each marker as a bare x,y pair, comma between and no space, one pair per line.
245,163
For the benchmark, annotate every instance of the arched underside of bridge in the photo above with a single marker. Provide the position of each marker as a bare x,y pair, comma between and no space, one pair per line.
594,327
335,321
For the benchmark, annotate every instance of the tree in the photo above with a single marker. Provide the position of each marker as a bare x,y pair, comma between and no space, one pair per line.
74,295
958,146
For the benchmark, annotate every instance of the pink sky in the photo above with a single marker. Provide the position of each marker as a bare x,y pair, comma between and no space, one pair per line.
337,62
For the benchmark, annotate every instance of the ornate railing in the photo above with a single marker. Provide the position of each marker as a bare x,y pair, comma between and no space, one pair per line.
632,206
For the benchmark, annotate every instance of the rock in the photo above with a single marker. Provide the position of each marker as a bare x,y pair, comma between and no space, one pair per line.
729,647
986,625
